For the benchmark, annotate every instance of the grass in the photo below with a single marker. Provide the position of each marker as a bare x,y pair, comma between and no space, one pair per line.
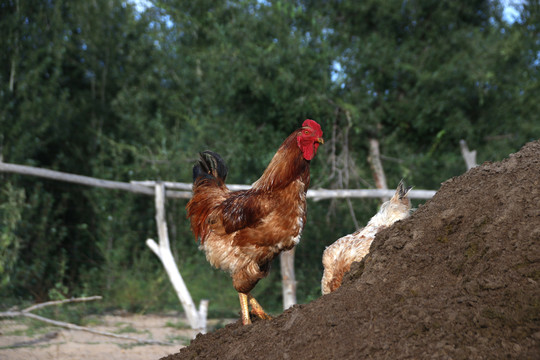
31,327
125,328
178,339
179,325
92,321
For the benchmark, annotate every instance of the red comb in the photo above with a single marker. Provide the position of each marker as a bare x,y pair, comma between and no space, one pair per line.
314,125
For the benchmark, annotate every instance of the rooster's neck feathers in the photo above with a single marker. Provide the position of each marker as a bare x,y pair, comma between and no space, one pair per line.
286,166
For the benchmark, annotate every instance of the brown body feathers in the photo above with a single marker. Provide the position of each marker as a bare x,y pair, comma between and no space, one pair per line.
242,231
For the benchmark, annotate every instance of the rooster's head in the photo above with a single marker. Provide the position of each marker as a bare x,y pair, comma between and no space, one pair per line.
309,137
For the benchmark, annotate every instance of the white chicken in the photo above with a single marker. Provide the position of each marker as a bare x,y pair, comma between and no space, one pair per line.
338,257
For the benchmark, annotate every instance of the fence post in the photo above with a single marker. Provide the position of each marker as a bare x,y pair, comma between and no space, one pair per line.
197,319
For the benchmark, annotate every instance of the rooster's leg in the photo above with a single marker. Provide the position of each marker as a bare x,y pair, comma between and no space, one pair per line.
244,308
257,308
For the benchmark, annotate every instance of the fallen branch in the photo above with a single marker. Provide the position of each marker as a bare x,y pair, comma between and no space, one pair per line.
61,302
80,328
45,338
26,313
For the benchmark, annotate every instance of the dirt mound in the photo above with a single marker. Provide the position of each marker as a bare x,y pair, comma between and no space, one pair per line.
459,279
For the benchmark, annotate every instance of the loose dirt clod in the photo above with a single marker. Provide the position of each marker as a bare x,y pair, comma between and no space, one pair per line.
459,279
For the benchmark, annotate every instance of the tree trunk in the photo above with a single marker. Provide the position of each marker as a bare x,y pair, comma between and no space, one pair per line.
468,156
376,166
15,54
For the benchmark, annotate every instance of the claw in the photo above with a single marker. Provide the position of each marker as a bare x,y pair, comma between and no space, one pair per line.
256,308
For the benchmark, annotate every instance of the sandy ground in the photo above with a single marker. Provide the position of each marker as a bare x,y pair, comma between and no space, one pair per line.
20,339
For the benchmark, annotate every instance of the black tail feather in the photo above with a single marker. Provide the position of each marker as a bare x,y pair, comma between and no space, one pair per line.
210,165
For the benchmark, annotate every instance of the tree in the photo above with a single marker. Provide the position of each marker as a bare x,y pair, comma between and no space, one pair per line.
98,89
66,63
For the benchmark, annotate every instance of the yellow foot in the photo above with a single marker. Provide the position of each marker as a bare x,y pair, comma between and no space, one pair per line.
244,308
257,309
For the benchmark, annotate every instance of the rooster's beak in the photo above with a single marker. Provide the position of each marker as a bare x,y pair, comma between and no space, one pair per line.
320,140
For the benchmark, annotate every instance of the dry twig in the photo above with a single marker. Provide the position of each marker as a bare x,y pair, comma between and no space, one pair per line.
26,313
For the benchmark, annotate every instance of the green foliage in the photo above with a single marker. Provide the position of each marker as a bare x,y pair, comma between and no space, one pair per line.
99,89
11,203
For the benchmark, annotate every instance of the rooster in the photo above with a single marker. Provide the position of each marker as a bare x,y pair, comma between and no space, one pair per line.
338,257
241,232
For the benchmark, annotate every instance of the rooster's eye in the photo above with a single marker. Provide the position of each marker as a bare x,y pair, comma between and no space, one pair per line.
306,132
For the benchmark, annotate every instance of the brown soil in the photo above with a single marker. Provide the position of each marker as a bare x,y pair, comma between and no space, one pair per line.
459,279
